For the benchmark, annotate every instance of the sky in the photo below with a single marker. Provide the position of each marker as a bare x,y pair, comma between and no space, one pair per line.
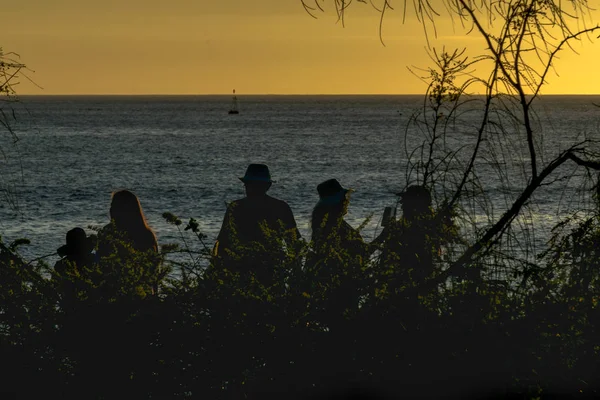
252,46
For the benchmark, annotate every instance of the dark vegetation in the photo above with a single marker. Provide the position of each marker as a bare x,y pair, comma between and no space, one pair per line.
300,327
497,317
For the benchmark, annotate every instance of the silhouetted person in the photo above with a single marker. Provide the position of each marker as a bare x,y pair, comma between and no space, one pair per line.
128,227
251,220
114,323
128,218
335,265
328,225
411,242
76,256
76,253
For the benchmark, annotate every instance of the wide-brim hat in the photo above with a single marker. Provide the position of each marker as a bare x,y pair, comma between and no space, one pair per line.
417,193
331,192
257,173
77,243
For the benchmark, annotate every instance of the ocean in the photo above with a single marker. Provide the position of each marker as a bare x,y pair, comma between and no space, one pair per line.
184,154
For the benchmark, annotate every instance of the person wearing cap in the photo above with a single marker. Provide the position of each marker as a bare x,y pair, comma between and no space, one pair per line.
249,219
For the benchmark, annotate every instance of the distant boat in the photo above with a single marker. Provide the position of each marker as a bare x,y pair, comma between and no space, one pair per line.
234,105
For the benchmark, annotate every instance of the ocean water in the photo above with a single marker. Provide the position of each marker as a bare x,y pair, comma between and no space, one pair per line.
184,154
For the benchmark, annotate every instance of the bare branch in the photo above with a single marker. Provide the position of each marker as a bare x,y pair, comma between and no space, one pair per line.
555,52
514,210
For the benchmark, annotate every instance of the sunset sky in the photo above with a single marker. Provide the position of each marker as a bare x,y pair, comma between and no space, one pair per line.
213,46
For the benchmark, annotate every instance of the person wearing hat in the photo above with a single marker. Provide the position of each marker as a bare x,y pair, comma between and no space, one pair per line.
328,214
76,253
247,220
328,218
337,257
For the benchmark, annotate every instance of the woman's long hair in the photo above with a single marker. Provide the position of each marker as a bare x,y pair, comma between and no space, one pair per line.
128,217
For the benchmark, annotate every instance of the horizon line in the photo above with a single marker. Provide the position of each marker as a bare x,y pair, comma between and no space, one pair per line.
271,94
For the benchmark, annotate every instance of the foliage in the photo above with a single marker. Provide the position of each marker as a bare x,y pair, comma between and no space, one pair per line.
491,171
493,277
303,323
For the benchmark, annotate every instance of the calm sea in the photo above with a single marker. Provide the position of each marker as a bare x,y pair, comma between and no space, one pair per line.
184,154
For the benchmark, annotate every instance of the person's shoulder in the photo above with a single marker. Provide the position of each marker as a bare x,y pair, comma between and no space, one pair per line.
237,203
151,242
395,228
60,266
149,233
277,202
349,232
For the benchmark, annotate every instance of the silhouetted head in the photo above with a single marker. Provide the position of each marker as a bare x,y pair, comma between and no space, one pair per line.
77,243
416,201
126,211
257,180
128,217
332,193
333,203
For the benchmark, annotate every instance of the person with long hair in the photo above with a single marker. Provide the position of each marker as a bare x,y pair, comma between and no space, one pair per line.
129,234
127,215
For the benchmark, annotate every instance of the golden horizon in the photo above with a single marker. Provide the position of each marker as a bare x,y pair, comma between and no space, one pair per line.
267,47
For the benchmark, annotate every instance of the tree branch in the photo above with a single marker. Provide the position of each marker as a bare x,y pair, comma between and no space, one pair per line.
511,213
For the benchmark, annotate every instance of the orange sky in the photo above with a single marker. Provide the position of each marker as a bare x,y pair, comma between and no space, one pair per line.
213,46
